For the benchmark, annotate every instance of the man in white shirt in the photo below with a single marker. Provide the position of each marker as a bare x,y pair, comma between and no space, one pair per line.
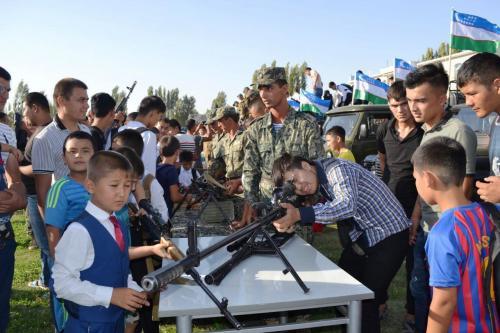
7,134
150,111
314,85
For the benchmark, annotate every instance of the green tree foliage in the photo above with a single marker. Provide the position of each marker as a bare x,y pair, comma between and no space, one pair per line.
17,104
295,76
177,108
442,51
219,100
184,109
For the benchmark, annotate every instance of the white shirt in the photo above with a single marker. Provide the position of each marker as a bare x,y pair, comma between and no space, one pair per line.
186,177
336,97
186,142
157,200
314,81
8,136
75,253
150,152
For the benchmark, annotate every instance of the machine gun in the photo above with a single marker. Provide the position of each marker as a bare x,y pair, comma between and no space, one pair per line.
123,102
161,277
205,189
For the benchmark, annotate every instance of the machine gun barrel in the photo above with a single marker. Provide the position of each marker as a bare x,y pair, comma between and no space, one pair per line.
159,278
216,276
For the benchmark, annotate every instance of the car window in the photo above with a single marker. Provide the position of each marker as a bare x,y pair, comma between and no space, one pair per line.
374,120
346,121
478,125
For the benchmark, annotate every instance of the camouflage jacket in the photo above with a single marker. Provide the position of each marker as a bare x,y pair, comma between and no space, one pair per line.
234,154
217,146
299,136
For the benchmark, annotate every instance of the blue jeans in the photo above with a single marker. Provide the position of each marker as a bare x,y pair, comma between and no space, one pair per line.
419,283
318,92
38,228
7,250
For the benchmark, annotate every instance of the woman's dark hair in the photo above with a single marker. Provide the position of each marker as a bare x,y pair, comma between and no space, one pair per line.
284,164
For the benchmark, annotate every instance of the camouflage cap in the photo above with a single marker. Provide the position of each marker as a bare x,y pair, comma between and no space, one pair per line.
210,115
251,96
269,75
224,111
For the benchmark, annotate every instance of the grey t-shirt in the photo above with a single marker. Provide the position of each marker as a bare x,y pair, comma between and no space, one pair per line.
456,129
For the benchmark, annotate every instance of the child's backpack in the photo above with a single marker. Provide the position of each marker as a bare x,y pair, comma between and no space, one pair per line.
494,260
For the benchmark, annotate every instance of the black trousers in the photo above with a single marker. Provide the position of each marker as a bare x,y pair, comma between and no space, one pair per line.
376,270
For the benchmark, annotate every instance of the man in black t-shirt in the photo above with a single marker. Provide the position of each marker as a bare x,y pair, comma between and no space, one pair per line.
103,106
37,112
397,140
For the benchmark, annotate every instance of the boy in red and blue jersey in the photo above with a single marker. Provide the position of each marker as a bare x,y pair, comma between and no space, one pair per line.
458,246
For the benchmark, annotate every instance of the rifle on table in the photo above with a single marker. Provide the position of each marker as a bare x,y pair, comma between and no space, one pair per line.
161,277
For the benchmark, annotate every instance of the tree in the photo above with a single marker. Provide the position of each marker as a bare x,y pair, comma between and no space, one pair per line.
219,101
442,51
21,92
184,109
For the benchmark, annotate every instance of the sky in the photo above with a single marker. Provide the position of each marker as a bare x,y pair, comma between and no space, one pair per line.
205,46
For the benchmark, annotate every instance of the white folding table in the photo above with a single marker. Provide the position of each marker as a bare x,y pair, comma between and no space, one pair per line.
257,285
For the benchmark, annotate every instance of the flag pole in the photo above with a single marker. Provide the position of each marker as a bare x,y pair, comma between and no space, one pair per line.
449,51
353,90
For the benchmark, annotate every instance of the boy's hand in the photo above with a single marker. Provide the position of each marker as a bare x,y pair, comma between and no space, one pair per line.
129,299
160,250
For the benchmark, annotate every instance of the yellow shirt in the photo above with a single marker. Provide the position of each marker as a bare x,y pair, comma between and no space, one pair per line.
345,154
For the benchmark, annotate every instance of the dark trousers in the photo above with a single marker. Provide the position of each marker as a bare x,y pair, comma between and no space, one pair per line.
138,268
376,270
7,250
419,283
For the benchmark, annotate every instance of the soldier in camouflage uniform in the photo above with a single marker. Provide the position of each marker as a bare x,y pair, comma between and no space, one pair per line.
281,130
215,156
233,145
252,108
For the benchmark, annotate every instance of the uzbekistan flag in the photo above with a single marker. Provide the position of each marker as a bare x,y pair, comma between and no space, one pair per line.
401,69
312,103
369,89
469,32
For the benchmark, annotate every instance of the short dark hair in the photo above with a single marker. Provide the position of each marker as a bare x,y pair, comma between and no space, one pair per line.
482,68
443,156
433,74
105,161
4,74
308,68
133,158
65,88
132,115
186,156
79,135
397,91
234,116
4,117
169,145
151,103
38,99
284,164
331,84
102,104
174,123
130,138
191,123
338,131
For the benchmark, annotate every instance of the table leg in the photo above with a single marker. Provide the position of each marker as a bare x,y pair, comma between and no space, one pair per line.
283,317
354,314
184,324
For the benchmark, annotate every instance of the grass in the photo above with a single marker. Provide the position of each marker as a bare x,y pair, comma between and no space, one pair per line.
30,307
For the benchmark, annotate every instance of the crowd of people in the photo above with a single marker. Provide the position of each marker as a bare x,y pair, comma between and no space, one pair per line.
81,171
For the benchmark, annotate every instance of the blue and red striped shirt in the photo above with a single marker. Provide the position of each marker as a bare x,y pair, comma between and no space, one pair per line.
458,249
